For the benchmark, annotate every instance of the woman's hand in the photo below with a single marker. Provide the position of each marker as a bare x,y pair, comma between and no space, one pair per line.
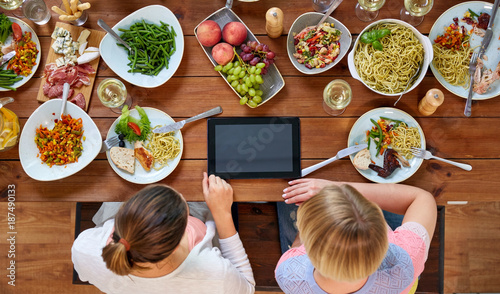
302,189
218,194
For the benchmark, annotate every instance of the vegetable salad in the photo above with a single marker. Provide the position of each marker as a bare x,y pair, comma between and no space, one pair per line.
63,144
317,47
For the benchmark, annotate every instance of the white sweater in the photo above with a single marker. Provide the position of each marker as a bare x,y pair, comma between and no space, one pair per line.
205,270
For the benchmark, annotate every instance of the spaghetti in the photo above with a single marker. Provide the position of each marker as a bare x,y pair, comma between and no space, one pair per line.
390,70
404,138
164,147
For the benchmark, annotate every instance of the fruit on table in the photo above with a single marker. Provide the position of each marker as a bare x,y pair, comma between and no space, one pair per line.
9,131
209,33
234,33
223,53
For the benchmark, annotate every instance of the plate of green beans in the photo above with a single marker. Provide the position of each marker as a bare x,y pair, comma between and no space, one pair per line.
157,43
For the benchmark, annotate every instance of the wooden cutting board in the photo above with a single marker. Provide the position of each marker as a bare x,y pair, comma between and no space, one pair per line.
93,40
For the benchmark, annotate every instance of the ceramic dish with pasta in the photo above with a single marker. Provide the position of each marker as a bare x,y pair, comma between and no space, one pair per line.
387,72
395,117
166,148
451,68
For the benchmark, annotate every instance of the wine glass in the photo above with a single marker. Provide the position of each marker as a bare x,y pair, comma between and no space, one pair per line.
113,94
367,10
414,10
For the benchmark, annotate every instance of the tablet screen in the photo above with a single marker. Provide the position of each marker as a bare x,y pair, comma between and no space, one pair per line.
243,148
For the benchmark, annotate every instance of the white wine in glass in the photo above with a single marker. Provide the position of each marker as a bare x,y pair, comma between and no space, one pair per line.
414,10
113,94
10,4
336,97
367,10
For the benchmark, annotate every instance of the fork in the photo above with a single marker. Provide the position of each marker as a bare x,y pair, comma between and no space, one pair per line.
421,153
472,71
108,143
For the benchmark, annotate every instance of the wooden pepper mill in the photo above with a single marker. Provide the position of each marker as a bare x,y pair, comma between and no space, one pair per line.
274,22
431,101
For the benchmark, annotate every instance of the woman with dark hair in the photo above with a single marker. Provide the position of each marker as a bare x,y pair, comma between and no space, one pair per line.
153,246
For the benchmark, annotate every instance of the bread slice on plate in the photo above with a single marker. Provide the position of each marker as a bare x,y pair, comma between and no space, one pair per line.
144,157
123,158
362,159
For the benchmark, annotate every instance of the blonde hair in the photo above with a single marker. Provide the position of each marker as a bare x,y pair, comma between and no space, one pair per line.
153,223
344,234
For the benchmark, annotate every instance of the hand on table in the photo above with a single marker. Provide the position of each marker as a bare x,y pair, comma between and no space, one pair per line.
219,198
302,189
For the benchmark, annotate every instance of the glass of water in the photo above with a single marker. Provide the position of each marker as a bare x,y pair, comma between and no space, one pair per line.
367,10
36,11
336,97
322,5
414,10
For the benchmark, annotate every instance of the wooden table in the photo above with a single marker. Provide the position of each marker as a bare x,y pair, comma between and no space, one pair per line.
196,87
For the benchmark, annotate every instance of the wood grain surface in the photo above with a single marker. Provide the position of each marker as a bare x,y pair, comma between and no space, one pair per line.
93,40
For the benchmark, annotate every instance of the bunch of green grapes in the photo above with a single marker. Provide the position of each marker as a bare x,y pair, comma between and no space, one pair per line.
245,79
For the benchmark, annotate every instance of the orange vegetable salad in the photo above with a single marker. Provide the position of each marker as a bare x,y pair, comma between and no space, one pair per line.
25,57
62,144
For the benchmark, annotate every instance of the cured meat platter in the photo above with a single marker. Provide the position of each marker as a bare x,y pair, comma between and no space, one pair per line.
93,40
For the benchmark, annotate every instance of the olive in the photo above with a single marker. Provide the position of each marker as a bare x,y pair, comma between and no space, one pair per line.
121,143
121,137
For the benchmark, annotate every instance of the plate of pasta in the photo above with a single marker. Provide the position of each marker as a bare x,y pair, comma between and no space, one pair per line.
166,149
405,52
400,132
450,65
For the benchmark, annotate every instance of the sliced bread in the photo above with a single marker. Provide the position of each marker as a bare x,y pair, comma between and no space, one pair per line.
362,159
144,157
123,158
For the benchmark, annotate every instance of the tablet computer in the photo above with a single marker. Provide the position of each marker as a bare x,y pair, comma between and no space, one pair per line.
254,147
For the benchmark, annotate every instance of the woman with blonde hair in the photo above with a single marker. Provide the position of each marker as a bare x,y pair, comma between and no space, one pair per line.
344,244
152,245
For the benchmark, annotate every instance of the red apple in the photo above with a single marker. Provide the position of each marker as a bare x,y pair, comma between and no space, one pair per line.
209,33
234,33
223,53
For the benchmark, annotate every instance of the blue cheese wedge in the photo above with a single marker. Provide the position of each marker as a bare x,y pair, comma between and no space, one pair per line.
64,44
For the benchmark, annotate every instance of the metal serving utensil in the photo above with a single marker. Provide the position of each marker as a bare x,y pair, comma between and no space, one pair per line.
409,81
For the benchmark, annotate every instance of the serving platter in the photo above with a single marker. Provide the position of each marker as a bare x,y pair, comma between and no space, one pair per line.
492,51
26,28
45,115
309,19
141,176
117,57
93,41
273,81
357,135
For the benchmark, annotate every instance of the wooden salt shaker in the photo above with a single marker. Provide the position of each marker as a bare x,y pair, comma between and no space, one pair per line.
274,22
431,101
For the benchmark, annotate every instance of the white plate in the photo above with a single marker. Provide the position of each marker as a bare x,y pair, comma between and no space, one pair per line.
358,135
44,115
492,52
116,57
141,176
26,28
309,19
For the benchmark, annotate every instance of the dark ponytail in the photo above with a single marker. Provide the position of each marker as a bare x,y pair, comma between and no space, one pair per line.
152,223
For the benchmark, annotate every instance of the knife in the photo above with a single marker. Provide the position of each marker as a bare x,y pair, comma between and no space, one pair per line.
340,154
484,45
178,125
6,57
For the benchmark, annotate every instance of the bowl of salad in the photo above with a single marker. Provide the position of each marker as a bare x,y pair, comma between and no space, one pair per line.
315,49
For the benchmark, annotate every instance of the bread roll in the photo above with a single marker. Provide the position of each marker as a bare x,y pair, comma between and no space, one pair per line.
123,158
362,159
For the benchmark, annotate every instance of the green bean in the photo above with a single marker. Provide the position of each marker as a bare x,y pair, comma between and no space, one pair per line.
152,46
381,135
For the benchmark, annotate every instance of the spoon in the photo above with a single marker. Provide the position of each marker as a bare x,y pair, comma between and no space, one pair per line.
64,98
105,27
329,11
6,100
409,82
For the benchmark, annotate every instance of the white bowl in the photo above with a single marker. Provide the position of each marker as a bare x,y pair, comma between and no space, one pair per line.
44,115
428,55
310,19
116,57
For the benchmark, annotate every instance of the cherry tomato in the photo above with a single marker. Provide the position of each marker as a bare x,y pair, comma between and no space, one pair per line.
17,31
134,128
